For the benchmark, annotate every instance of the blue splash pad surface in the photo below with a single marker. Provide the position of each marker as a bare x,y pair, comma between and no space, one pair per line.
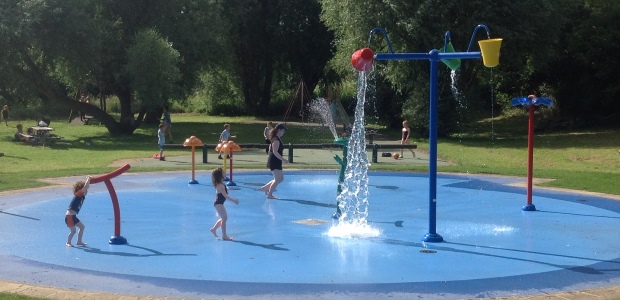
282,245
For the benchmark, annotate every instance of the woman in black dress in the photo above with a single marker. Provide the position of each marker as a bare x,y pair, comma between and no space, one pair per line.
275,160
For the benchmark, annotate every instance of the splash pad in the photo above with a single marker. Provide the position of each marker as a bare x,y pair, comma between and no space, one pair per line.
286,252
283,248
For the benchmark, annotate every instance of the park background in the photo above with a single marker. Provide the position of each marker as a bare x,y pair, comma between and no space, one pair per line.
232,62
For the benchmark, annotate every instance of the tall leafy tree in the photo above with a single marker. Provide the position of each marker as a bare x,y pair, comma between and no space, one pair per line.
419,26
307,43
58,47
270,40
253,39
584,75
152,86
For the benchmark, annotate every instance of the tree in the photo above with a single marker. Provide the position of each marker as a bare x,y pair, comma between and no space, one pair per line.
307,45
152,64
252,38
59,47
270,40
584,75
419,26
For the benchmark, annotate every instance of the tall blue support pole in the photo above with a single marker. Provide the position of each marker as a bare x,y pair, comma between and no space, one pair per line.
432,235
434,56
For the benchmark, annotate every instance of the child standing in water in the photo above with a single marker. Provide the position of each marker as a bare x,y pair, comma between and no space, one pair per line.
80,189
221,194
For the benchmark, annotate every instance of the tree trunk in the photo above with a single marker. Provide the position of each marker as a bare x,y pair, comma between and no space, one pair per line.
153,117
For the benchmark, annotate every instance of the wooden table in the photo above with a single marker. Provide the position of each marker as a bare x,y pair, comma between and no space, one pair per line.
42,134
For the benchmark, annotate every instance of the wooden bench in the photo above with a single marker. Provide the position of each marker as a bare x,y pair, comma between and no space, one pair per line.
27,138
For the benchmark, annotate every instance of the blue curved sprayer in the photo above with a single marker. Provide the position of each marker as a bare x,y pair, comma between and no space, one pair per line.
382,31
360,61
530,102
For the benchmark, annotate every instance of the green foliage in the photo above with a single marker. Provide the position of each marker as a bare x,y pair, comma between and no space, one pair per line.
217,95
546,44
255,52
152,64
584,75
10,296
575,159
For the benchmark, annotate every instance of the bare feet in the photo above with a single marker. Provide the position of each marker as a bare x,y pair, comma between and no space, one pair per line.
227,238
81,244
272,197
265,190
213,231
69,245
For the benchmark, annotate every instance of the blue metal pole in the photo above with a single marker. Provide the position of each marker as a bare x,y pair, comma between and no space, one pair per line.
432,235
434,56
419,56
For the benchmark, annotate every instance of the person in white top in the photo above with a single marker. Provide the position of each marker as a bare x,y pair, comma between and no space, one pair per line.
266,135
225,136
406,138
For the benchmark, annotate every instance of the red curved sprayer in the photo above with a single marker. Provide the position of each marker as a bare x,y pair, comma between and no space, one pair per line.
116,239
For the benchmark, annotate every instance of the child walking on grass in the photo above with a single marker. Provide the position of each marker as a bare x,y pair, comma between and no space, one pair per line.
161,140
5,115
221,194
225,137
80,189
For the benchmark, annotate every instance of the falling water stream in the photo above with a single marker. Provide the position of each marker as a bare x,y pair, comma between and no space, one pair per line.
461,107
353,200
321,109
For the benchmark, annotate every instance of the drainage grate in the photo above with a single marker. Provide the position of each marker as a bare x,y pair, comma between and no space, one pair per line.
428,251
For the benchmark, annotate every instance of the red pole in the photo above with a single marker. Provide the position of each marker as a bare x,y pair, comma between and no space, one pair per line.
231,164
117,239
117,210
193,164
530,154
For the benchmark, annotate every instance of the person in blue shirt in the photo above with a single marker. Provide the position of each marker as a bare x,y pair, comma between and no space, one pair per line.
225,137
161,140
168,122
80,189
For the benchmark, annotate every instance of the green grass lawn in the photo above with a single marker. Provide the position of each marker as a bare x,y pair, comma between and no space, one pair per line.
584,160
6,296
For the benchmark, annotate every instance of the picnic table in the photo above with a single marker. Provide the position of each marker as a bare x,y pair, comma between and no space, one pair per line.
42,134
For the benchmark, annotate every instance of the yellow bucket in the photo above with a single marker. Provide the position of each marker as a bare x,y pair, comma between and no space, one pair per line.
490,51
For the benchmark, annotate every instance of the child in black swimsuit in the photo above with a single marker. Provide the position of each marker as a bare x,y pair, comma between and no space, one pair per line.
275,160
217,177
